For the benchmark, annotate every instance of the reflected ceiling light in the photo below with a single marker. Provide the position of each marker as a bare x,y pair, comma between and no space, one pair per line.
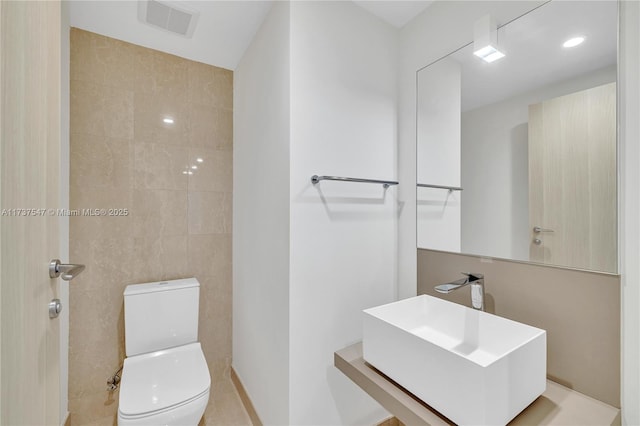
194,167
489,54
573,42
485,39
168,120
199,160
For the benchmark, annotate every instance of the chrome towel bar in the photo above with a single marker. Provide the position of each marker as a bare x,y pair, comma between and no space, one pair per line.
450,188
385,183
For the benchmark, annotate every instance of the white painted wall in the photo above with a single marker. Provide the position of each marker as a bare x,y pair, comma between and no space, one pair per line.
438,155
442,28
629,159
314,94
343,235
261,219
495,213
65,62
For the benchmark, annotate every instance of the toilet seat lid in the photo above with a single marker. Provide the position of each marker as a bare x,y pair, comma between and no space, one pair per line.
159,380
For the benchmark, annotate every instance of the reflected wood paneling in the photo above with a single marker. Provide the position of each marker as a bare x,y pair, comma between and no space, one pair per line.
572,179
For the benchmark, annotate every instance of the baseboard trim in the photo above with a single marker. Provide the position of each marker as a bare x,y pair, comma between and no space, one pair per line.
244,397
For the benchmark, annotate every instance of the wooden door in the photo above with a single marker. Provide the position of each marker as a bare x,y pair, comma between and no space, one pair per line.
29,179
572,179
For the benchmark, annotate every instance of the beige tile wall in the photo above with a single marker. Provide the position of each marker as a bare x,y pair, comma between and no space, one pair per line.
580,311
179,225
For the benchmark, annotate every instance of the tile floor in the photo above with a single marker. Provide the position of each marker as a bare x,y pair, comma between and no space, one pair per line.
225,407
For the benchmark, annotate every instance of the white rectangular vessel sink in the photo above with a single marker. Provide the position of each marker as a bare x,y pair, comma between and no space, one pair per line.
473,367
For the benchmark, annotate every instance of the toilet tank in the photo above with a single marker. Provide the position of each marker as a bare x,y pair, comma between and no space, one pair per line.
160,315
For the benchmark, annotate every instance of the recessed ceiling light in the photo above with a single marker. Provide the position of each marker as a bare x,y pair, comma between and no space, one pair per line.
194,167
573,42
168,120
199,160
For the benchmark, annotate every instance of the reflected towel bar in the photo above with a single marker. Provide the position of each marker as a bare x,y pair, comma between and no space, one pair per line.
450,188
385,183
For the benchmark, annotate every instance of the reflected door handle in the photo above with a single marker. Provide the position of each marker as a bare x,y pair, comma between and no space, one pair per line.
538,230
65,271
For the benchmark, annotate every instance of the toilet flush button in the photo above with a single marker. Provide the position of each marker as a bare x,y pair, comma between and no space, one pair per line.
55,307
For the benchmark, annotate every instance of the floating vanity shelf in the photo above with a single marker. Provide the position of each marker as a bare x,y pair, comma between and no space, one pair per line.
450,188
558,405
385,183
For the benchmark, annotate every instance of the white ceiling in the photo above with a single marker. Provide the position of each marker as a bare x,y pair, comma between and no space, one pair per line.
395,12
224,30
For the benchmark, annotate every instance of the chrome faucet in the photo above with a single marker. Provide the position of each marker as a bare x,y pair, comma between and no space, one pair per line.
477,288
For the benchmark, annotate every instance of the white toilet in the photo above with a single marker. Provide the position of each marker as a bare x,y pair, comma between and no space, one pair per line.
165,379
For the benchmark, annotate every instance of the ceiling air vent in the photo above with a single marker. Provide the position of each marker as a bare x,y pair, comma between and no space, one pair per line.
168,16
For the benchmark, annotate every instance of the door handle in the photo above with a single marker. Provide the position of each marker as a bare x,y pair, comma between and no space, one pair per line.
65,271
538,230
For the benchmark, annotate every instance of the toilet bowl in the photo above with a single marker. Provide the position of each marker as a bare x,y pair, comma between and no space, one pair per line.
165,378
168,387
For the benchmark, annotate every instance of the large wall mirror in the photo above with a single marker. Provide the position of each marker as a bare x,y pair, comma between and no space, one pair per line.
516,158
